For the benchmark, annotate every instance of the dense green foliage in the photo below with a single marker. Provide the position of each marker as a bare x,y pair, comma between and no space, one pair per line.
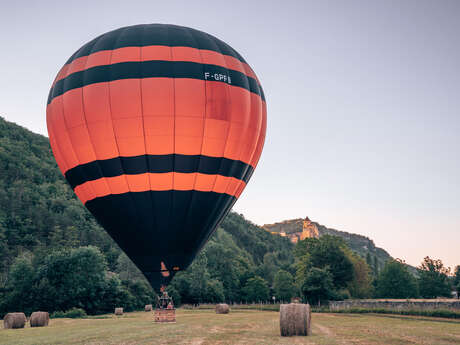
456,280
395,281
55,257
433,279
45,261
283,286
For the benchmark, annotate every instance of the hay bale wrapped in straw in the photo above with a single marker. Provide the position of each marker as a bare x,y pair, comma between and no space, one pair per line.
39,319
148,307
14,320
295,319
222,308
118,311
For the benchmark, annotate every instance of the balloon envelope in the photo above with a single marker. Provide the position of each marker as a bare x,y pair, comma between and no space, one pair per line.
158,129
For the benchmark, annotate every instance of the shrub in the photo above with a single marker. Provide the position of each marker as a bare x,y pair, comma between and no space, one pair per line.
74,313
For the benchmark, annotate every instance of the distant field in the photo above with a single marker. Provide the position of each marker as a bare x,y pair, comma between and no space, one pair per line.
195,327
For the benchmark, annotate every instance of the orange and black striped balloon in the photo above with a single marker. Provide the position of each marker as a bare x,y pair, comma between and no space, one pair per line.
158,129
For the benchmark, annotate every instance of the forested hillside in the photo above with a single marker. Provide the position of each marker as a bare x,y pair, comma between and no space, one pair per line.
39,215
55,257
359,244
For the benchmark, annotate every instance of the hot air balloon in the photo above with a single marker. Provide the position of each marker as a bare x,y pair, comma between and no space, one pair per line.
158,129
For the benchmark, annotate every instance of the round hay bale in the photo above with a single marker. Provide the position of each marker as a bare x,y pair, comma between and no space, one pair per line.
39,319
222,308
148,307
295,319
14,320
118,311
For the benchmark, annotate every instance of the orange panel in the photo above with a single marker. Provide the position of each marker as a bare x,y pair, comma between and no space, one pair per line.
240,190
85,192
158,182
234,141
215,137
189,126
159,145
138,183
240,100
156,53
82,144
62,137
96,102
221,184
125,98
158,96
255,122
159,135
99,58
183,181
261,140
187,145
233,186
204,182
161,181
100,187
103,139
188,135
117,184
213,147
217,100
128,127
131,146
249,71
61,74
185,54
73,108
77,65
216,129
159,126
126,54
213,58
54,145
190,97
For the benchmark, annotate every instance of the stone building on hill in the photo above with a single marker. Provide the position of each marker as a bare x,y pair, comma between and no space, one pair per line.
308,230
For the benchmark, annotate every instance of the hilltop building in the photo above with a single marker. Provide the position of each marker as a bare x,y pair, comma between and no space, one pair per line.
309,230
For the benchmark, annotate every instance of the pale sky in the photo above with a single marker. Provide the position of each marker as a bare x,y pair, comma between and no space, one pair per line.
363,103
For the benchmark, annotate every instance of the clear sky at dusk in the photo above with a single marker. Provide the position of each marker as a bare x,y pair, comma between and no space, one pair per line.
363,103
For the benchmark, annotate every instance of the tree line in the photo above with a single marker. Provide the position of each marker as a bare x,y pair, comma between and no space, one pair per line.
54,256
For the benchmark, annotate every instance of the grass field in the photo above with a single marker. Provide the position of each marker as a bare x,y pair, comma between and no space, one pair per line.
204,327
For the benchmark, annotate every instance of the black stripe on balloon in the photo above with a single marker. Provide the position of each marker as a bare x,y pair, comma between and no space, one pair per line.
155,35
154,69
158,164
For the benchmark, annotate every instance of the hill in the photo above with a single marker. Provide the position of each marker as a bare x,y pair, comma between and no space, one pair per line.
359,244
39,214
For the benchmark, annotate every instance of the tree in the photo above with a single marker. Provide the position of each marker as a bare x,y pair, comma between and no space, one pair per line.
20,285
283,286
433,279
215,291
376,266
456,280
325,252
361,285
256,290
395,281
317,285
73,278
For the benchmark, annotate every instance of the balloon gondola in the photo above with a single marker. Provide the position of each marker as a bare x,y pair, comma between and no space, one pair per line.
158,129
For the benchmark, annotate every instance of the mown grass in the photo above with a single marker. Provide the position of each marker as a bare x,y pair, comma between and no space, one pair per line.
204,327
450,314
